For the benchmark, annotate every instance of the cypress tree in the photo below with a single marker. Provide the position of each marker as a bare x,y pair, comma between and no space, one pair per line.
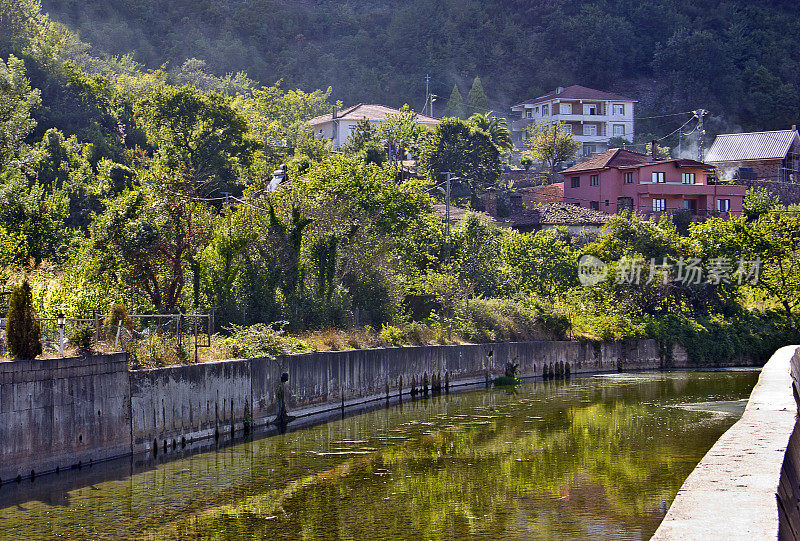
23,333
476,99
455,105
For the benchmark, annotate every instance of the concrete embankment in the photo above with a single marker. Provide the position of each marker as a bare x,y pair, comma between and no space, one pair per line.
748,485
62,413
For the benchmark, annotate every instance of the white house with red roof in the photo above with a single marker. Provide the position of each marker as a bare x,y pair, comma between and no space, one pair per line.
338,125
592,116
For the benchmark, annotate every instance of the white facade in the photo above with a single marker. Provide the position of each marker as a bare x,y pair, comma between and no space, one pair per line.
339,126
593,119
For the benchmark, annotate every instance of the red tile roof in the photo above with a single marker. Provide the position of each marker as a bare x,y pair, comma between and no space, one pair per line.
374,112
577,92
626,159
549,193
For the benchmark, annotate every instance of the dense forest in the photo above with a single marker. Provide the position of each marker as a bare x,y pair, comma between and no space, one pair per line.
739,59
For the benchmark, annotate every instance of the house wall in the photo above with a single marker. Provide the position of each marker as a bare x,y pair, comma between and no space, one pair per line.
642,191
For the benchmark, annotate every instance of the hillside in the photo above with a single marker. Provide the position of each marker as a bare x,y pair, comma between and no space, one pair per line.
741,61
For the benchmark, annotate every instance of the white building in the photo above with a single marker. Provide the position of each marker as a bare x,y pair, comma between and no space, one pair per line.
338,125
592,116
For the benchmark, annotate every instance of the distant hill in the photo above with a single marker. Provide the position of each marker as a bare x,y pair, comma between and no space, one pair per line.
740,60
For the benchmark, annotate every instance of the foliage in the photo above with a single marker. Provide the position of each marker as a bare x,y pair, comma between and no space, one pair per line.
23,333
81,337
550,144
476,99
261,340
496,127
17,100
402,132
455,105
759,201
463,150
541,263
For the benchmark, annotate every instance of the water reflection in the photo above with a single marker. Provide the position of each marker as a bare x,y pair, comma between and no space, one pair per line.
599,458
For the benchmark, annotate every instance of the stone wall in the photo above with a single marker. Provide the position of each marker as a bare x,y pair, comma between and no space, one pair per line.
788,193
748,485
61,413
45,405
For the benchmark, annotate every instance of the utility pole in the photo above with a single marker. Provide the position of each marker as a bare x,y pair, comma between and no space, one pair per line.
702,132
447,213
427,93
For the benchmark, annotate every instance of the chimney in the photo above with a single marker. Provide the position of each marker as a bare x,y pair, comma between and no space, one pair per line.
490,202
559,90
654,149
794,127
516,203
334,113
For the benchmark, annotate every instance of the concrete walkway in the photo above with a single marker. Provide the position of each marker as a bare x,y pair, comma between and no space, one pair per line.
732,492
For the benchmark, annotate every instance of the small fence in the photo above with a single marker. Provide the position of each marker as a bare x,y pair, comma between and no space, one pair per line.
149,338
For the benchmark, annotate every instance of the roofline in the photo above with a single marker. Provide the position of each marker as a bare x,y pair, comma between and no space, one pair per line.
755,132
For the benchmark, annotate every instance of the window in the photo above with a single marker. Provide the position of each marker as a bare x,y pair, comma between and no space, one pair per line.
619,129
528,113
589,129
567,128
594,180
566,108
659,205
590,110
658,178
618,109
588,150
724,205
576,182
688,178
537,110
629,178
545,110
624,203
594,205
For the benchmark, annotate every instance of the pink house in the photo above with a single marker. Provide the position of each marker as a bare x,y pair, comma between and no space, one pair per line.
620,179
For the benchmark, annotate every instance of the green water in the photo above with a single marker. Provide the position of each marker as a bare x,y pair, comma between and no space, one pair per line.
598,458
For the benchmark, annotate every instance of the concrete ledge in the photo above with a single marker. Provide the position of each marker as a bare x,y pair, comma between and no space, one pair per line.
731,494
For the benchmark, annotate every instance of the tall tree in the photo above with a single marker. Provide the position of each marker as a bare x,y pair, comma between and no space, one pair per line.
401,132
476,99
455,105
17,99
496,127
550,144
464,150
199,137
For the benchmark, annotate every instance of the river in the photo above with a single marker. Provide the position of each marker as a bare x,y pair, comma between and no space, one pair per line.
599,457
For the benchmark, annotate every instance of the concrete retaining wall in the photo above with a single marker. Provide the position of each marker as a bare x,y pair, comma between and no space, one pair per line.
748,485
58,413
46,405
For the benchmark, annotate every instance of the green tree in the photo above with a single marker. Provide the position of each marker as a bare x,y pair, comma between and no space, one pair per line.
401,131
149,237
541,262
17,100
476,99
455,105
497,128
23,333
199,137
550,144
464,150
363,132
759,201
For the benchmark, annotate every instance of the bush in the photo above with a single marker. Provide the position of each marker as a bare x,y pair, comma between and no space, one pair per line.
118,315
391,335
261,340
23,333
81,337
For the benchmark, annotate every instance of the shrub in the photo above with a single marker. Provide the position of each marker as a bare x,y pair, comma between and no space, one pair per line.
391,335
81,337
23,332
261,340
118,315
